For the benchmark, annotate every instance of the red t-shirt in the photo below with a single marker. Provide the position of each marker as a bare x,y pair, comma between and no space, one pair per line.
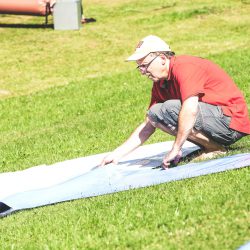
191,76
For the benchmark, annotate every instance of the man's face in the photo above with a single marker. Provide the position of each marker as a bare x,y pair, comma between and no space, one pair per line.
152,66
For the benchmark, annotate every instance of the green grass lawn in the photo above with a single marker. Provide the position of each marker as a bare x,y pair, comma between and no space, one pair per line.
68,94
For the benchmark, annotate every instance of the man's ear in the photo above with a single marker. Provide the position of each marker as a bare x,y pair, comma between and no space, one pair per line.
163,59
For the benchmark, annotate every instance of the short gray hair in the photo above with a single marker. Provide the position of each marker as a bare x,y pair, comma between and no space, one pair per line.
168,54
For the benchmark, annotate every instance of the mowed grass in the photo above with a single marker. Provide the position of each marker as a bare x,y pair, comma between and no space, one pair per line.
67,94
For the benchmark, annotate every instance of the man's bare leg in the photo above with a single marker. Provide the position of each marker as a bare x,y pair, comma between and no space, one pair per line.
207,143
210,148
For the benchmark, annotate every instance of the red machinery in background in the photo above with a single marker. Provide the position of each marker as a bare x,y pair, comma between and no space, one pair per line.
67,14
27,7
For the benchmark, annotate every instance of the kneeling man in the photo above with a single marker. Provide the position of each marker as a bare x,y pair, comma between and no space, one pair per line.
192,99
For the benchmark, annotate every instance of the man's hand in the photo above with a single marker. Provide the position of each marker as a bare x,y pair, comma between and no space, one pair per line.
138,137
110,158
173,155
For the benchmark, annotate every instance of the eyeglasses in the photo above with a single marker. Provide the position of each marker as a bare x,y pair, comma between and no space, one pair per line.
144,67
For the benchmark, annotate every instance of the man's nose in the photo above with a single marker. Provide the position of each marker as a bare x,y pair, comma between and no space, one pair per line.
143,71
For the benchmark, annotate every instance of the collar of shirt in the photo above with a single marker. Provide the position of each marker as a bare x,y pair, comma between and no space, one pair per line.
164,82
171,64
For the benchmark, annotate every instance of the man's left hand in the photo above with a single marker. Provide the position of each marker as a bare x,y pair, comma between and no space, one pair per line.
172,156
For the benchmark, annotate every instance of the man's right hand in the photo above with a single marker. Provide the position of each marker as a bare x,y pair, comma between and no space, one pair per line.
110,158
138,137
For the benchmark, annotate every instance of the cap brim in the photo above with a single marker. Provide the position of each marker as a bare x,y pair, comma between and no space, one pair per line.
136,56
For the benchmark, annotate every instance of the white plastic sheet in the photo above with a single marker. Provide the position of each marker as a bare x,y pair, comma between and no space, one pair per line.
79,178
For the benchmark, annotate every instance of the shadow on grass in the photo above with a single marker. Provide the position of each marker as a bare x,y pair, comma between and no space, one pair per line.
26,26
151,162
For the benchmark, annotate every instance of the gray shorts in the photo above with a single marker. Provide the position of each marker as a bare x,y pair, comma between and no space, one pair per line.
210,120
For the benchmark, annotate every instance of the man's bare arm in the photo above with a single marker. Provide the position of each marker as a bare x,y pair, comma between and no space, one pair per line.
138,137
186,123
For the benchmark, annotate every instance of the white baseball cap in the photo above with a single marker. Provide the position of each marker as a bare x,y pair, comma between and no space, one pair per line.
147,45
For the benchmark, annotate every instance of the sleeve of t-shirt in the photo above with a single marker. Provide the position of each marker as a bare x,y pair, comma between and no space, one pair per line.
191,79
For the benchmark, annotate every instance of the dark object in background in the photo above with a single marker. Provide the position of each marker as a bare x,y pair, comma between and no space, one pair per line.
88,20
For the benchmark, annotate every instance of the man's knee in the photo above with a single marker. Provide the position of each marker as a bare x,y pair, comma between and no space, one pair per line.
153,114
165,113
